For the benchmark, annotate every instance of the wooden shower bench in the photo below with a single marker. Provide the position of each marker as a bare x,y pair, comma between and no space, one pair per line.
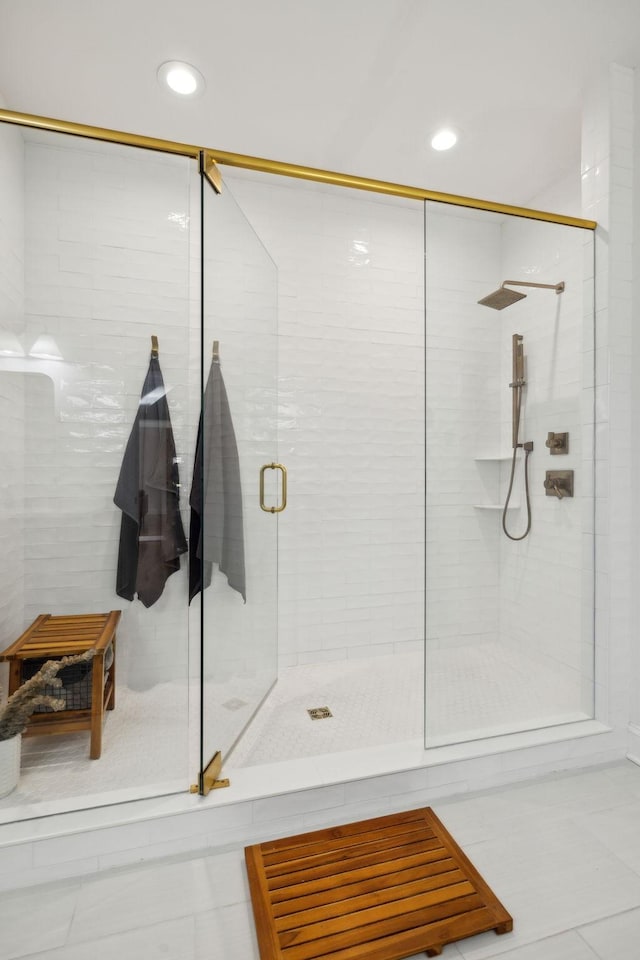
51,638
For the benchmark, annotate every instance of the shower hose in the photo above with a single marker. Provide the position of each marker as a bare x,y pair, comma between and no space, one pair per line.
528,447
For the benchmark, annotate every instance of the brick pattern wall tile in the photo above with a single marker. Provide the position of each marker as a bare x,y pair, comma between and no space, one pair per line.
351,420
107,264
12,387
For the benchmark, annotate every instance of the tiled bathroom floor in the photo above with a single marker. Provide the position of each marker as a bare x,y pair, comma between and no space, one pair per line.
561,852
473,691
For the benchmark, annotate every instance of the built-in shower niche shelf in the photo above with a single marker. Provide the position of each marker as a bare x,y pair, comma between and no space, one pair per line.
495,506
494,458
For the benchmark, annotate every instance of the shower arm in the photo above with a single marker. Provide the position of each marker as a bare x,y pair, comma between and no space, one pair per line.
558,287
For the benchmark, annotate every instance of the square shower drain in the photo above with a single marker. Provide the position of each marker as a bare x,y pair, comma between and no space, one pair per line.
319,713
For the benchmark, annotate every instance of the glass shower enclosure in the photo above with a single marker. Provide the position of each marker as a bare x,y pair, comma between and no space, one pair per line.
117,258
127,285
243,485
509,626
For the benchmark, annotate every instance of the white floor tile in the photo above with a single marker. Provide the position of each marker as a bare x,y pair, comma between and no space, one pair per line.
174,940
142,896
611,938
31,921
565,877
565,946
619,830
228,932
550,881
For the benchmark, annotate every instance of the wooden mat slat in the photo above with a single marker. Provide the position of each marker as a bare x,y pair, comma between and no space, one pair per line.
391,911
345,891
358,858
344,831
351,841
386,893
380,889
373,868
390,847
355,935
404,944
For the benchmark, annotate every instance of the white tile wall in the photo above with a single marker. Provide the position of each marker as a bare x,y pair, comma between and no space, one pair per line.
547,579
241,302
351,384
607,177
107,265
463,415
12,387
527,597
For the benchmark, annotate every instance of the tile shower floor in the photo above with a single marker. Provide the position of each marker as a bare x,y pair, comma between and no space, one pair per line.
144,753
561,852
472,691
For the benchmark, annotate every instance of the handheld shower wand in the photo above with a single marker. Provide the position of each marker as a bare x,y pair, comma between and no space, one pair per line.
498,300
517,385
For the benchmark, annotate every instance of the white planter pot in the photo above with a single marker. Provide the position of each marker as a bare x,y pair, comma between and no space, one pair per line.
9,764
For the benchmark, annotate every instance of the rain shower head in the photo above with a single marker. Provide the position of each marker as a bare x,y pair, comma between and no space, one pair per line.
503,297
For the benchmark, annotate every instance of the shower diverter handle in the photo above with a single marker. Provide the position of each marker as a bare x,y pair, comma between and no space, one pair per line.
556,489
559,483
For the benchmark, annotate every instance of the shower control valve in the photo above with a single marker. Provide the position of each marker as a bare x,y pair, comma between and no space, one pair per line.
559,483
557,443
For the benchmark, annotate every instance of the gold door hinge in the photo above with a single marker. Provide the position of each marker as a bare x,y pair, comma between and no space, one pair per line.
210,170
210,779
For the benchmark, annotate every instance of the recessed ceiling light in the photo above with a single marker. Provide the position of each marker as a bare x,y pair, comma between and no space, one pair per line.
181,78
444,139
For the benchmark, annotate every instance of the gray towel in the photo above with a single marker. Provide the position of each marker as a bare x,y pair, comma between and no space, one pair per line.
148,493
216,528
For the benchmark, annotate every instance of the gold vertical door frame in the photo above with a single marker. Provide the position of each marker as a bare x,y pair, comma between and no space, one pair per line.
280,168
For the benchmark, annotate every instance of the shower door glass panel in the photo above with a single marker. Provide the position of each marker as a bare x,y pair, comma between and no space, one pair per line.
509,622
239,539
96,259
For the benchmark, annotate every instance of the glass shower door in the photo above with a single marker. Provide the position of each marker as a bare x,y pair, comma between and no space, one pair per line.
238,489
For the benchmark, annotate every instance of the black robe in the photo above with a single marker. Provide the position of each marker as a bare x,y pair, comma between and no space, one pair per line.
216,531
148,493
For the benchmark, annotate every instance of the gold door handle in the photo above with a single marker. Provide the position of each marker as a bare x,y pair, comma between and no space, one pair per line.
283,471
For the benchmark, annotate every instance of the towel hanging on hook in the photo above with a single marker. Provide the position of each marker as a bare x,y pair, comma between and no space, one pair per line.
148,494
217,526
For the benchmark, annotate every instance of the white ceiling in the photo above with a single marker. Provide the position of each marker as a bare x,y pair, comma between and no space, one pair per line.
355,86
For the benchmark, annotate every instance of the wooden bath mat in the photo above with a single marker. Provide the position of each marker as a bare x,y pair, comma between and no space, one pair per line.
380,889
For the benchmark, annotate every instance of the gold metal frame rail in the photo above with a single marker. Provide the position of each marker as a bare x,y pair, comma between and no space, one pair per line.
284,169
